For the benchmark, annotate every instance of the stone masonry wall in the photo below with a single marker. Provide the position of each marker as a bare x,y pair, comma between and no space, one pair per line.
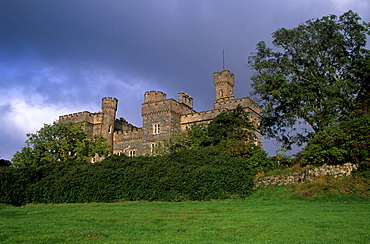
306,176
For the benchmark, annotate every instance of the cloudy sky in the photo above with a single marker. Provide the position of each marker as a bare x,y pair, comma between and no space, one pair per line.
60,57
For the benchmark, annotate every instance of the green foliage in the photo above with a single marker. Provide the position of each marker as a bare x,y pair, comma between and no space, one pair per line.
5,163
202,174
313,78
231,125
216,161
258,158
172,144
199,135
282,160
15,185
346,142
60,142
253,154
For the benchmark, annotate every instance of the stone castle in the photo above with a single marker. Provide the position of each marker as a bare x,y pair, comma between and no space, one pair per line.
161,117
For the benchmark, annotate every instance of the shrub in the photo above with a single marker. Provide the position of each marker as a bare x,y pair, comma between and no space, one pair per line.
15,185
202,174
346,142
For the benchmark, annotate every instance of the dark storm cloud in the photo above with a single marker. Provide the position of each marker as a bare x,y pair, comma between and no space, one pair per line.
66,55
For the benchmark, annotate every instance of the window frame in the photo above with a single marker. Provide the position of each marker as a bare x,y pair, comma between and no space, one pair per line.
132,153
156,128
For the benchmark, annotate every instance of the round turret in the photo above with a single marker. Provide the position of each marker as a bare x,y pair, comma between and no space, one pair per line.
224,83
109,107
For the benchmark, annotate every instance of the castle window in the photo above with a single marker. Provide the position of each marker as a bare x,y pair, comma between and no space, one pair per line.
221,93
152,146
156,129
132,153
110,129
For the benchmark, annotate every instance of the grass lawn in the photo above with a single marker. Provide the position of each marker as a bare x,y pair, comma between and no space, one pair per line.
270,216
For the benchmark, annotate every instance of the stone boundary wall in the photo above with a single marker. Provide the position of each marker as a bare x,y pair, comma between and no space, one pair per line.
306,176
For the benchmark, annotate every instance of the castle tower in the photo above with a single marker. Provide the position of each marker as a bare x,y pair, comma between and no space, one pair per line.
185,99
224,83
109,108
162,116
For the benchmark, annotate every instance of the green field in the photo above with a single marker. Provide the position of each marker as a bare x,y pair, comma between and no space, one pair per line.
267,217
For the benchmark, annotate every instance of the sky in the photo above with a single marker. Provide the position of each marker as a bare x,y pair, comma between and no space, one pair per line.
61,57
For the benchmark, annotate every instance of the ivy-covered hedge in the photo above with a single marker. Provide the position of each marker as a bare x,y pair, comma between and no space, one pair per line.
186,175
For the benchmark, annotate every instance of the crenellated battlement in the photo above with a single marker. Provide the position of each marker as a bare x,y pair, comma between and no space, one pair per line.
79,114
154,96
223,76
169,106
129,135
109,103
109,99
203,116
185,99
80,117
134,130
230,103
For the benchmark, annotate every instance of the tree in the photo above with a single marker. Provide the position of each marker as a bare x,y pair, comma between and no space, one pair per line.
313,77
347,142
60,142
5,163
231,125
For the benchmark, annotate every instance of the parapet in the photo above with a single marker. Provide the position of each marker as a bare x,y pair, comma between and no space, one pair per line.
78,117
128,135
185,99
204,116
233,103
154,96
223,76
109,103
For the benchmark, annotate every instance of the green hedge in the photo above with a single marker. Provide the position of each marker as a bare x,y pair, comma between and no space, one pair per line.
15,185
187,175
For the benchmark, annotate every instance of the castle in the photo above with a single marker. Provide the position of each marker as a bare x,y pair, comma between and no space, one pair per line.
161,117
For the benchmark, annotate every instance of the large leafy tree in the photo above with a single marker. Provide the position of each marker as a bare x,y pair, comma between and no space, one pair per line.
60,142
314,76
